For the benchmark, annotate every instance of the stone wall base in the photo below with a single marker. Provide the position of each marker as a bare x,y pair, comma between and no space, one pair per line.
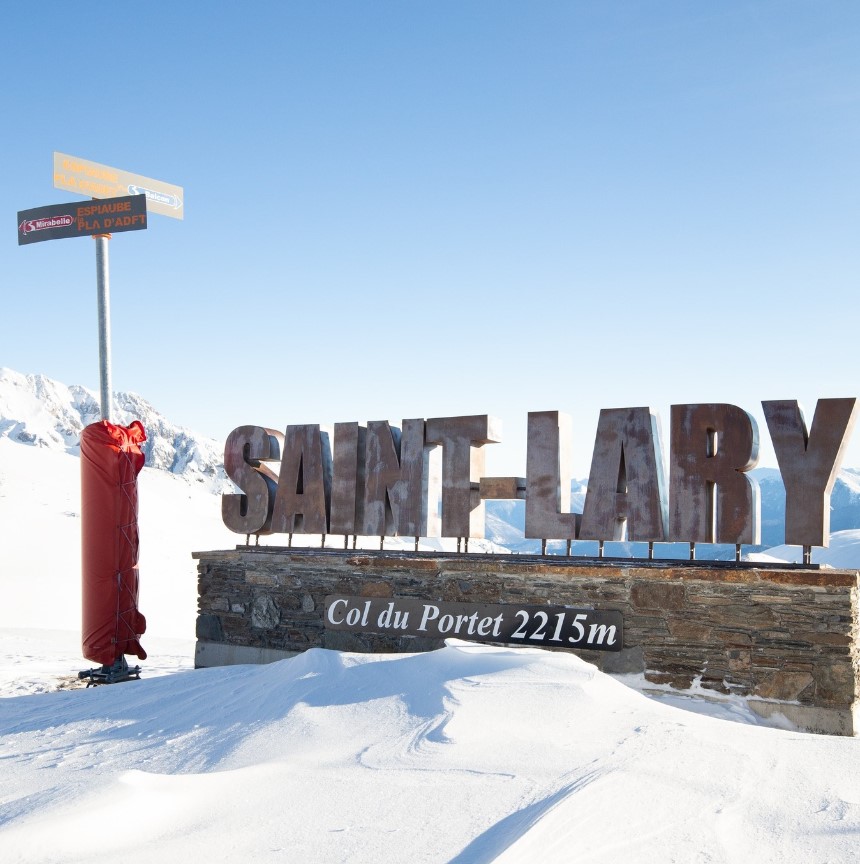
209,654
824,721
785,638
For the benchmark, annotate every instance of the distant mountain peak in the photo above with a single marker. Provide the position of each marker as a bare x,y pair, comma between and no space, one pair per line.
39,412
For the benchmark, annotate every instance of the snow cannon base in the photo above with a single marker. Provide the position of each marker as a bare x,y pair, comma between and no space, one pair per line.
118,672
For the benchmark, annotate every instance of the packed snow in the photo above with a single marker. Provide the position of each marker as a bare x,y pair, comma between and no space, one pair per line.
465,754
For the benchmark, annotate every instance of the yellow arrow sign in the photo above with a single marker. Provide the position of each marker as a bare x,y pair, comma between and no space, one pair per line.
100,181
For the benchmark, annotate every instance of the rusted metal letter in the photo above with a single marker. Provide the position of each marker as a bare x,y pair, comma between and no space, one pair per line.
711,499
348,477
626,498
394,498
502,488
809,462
246,451
463,459
304,484
548,477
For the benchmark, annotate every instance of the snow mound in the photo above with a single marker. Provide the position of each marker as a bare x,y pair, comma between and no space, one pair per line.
466,754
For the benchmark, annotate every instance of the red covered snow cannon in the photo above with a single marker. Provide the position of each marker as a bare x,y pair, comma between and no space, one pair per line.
111,459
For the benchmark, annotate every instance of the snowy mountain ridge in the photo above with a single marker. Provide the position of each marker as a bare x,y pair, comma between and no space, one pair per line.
40,412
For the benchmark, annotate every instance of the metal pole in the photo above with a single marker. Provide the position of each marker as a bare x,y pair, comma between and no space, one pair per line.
103,287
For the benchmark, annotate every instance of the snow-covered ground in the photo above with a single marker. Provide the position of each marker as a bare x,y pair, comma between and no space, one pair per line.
466,754
40,553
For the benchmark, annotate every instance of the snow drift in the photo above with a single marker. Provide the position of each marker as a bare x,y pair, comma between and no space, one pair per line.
466,754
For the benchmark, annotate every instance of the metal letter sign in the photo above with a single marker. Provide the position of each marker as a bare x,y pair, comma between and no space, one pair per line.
100,181
82,219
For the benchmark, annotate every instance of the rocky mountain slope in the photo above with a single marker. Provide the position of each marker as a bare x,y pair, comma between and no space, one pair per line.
41,412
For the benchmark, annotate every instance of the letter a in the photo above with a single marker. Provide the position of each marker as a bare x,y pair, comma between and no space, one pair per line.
626,497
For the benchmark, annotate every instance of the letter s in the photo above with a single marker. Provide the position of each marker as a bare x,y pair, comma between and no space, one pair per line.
245,451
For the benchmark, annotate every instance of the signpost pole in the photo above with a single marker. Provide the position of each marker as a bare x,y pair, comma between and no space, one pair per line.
103,288
110,211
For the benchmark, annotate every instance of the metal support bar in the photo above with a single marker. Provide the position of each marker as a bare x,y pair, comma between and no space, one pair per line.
103,289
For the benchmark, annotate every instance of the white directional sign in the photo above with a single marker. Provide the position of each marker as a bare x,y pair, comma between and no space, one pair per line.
100,181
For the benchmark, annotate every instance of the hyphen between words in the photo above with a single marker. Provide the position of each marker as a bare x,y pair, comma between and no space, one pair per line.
426,478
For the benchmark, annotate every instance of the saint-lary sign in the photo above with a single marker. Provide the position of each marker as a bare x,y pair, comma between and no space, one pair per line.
425,478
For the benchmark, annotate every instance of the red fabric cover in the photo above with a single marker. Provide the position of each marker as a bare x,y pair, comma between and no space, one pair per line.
111,459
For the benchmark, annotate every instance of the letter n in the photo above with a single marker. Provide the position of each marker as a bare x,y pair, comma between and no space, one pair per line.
395,497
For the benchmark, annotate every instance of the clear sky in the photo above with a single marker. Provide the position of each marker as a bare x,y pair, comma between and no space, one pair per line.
418,209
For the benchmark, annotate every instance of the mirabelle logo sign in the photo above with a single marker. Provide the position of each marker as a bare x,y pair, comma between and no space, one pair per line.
81,219
426,478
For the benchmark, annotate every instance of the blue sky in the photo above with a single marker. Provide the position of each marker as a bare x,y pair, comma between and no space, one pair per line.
417,209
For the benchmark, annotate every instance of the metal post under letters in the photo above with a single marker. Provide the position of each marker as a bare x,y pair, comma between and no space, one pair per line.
103,287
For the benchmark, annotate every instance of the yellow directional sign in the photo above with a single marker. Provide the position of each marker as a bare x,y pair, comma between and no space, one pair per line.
100,181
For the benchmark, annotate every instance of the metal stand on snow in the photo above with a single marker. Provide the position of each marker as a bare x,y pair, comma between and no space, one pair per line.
120,671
